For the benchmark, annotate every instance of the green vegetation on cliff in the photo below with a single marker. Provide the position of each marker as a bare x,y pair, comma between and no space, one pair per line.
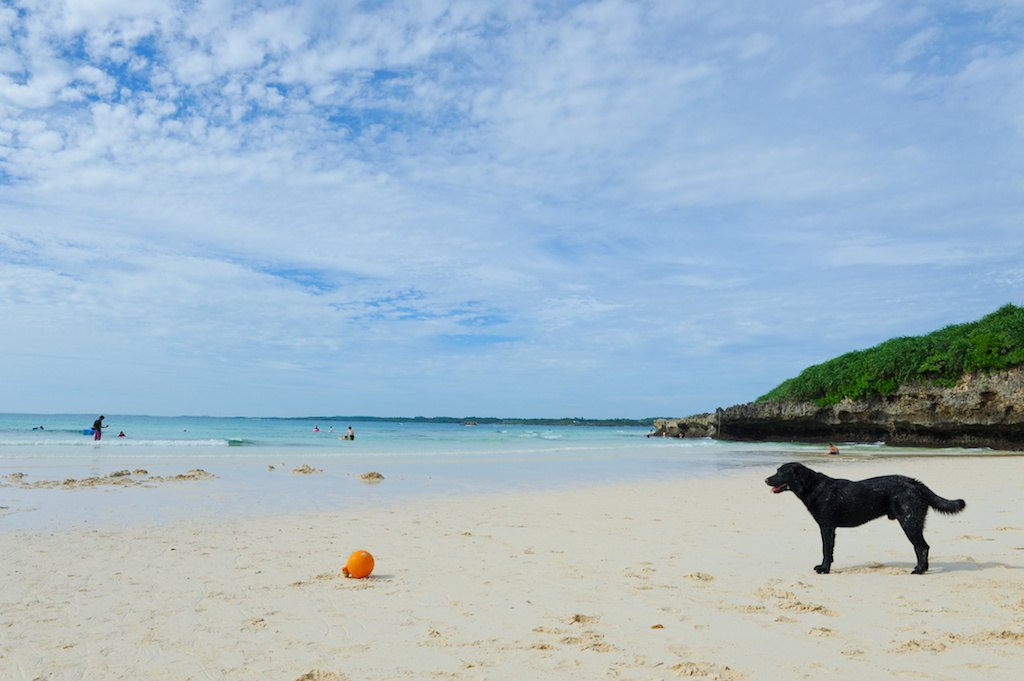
993,343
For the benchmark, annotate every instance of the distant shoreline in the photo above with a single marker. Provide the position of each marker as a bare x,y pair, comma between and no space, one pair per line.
456,420
482,420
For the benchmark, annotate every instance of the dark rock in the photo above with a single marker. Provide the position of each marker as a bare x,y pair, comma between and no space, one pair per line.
982,410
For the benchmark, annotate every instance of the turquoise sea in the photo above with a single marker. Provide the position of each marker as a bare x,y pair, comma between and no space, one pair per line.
253,460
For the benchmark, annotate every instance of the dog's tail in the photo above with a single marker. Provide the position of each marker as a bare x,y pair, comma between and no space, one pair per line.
949,506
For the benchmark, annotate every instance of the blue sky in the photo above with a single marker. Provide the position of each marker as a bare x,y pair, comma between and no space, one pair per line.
592,209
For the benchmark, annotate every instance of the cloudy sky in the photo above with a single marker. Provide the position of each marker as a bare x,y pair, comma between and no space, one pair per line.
476,207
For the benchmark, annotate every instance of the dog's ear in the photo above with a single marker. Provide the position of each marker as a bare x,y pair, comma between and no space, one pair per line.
799,477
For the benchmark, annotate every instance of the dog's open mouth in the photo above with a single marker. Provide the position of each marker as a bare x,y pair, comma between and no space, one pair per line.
780,488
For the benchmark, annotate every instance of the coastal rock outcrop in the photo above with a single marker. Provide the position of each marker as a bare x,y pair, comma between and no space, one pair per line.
981,410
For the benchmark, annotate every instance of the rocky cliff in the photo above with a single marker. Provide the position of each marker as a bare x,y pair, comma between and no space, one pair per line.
981,410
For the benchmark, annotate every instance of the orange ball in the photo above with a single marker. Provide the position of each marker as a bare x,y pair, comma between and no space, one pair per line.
359,565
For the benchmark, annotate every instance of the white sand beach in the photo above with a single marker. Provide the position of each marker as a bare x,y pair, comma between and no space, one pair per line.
708,578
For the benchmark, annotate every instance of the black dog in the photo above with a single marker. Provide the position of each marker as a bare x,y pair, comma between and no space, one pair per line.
843,503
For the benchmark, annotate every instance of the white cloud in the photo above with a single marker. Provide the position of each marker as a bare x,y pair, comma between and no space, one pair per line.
536,194
846,12
916,45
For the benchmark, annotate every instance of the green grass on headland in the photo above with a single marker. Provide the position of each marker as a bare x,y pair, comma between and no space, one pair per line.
993,343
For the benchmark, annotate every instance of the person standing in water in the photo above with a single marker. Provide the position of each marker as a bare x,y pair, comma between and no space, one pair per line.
97,428
351,434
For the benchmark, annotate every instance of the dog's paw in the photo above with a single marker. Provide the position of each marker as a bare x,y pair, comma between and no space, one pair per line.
822,569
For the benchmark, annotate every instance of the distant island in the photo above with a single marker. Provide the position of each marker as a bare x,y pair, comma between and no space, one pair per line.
961,386
489,420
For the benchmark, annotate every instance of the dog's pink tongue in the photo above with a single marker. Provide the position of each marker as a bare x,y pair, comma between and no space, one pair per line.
776,490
